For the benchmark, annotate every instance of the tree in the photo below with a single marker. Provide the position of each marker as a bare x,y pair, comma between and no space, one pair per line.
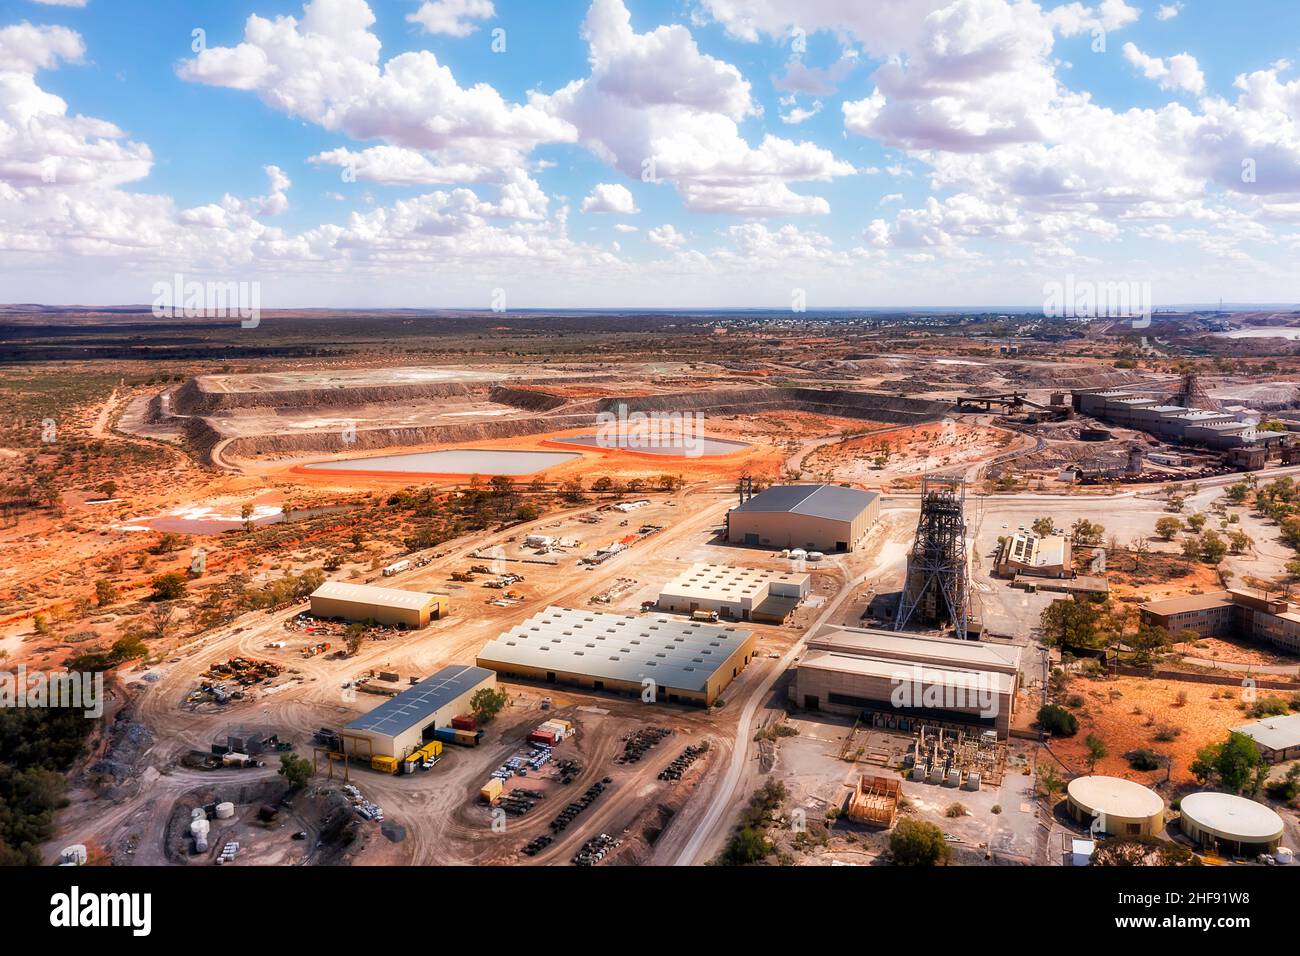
1097,750
105,592
168,587
1230,764
1168,526
1196,522
108,489
1149,641
1043,527
1086,532
1236,494
160,617
747,847
1213,547
918,843
1068,622
603,483
1049,781
571,489
1057,721
297,770
487,703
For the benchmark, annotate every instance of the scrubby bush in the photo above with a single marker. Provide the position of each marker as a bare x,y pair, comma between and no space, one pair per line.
1057,721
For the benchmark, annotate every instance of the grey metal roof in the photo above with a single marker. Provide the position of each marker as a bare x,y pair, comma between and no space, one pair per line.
671,651
421,702
819,501
1275,733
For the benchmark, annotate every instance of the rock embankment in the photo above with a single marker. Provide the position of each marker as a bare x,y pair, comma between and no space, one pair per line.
195,397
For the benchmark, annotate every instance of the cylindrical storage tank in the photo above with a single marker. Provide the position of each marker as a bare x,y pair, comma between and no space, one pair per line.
1119,807
1284,855
200,828
200,844
1230,823
225,810
197,812
973,780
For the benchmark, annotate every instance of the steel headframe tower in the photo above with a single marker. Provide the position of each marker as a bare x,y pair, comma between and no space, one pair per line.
1192,394
936,590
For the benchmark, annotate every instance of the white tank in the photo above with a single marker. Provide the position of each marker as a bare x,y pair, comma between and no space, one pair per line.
798,554
200,828
1284,855
225,810
197,812
200,845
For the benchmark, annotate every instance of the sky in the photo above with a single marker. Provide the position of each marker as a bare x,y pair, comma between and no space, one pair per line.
649,153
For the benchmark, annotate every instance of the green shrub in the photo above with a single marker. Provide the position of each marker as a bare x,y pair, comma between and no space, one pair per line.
1057,721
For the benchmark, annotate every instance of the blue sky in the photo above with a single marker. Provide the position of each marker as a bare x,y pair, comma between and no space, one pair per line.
963,153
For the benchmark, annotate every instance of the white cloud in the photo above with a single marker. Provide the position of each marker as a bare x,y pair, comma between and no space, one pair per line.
398,166
1072,19
1168,11
1025,158
814,81
61,3
452,17
325,68
1180,72
42,147
657,108
610,197
666,237
797,115
884,26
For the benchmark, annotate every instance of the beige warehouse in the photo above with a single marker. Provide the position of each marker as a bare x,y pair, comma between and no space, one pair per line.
681,661
813,517
740,594
391,606
899,681
402,724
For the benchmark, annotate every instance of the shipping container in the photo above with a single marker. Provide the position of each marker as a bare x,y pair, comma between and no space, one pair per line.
542,737
559,730
384,763
491,791
464,723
